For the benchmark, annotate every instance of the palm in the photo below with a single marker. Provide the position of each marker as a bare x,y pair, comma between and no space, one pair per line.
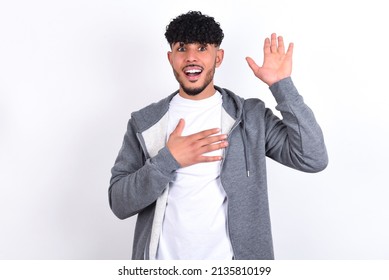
277,63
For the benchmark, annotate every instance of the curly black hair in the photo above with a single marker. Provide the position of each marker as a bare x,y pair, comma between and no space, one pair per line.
194,27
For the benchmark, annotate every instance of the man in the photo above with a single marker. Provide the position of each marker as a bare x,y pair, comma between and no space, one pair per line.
192,166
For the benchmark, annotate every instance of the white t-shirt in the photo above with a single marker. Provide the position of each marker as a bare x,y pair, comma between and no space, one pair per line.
195,221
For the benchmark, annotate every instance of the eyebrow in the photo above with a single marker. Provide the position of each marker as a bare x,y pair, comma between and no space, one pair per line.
181,44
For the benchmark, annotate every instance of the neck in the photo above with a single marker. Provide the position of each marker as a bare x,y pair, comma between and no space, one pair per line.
206,93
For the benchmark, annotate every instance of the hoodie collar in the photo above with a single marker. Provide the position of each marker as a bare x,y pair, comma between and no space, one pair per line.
232,104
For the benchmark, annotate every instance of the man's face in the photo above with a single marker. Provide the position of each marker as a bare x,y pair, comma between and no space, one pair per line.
194,67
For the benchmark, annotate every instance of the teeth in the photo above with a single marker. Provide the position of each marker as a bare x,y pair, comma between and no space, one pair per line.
193,71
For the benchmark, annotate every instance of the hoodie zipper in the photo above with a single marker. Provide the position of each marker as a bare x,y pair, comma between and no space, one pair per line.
225,150
146,154
142,145
221,170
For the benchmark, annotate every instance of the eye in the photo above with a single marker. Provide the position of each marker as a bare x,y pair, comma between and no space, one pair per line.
203,48
181,49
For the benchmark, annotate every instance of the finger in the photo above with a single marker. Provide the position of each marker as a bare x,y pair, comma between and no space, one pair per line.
289,52
204,134
254,67
281,47
179,128
213,147
209,158
273,44
266,46
212,140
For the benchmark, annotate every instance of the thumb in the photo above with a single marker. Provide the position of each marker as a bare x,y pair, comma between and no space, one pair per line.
179,128
252,64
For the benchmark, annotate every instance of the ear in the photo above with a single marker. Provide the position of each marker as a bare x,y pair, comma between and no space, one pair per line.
219,57
169,57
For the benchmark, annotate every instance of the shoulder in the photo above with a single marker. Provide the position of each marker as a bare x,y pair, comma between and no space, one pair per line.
230,96
152,113
237,104
252,103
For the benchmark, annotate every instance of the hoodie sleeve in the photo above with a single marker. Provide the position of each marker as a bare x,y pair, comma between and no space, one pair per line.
296,140
137,182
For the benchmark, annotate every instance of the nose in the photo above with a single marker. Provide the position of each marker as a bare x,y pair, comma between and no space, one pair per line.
191,54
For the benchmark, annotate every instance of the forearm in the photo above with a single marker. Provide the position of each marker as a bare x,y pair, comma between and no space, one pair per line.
300,143
130,192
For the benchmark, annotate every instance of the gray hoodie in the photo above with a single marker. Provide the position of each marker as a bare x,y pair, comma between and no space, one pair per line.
144,167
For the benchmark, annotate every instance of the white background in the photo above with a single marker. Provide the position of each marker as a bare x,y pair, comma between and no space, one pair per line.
71,72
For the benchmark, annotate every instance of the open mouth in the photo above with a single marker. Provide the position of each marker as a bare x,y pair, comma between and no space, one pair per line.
193,71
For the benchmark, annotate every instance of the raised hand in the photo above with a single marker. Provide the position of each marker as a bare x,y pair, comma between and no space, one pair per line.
277,64
189,150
